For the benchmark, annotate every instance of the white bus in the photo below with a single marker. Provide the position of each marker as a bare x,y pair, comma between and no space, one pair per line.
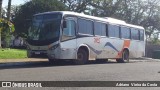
79,37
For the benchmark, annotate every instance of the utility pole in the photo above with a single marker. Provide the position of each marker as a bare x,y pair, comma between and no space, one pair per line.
1,8
9,10
0,17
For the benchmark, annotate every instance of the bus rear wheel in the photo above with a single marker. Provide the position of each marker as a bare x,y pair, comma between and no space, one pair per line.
125,57
101,60
82,57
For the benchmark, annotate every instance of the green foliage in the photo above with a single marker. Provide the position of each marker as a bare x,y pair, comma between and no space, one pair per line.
77,5
155,40
12,54
6,25
145,13
26,11
6,28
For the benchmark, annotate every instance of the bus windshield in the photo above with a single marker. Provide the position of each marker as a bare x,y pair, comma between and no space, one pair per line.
45,28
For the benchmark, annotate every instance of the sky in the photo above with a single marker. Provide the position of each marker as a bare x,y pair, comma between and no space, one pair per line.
14,2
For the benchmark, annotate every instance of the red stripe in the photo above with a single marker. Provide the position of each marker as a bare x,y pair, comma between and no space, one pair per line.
126,44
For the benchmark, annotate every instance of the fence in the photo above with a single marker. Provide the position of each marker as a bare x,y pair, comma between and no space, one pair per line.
150,48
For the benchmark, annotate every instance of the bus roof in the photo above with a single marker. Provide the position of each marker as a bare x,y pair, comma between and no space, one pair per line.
103,19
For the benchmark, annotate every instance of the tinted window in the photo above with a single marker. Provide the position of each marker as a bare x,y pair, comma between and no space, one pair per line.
134,34
99,29
113,31
125,32
85,26
46,28
70,29
141,35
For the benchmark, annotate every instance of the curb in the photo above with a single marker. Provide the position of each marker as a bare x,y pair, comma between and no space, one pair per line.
3,61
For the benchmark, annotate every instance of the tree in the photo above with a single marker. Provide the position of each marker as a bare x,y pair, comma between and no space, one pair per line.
9,10
6,28
77,5
1,8
26,11
145,13
0,17
13,10
103,8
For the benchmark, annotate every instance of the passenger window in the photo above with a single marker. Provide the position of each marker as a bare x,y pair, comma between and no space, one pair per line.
141,35
113,31
125,33
85,26
134,34
99,29
70,28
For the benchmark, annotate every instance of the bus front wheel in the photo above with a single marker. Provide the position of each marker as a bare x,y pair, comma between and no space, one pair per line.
51,61
125,57
29,54
82,57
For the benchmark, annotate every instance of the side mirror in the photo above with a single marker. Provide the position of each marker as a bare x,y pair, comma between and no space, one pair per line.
28,23
64,24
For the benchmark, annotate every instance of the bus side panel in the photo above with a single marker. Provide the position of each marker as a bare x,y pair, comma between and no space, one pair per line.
112,47
141,50
102,47
137,49
68,49
89,42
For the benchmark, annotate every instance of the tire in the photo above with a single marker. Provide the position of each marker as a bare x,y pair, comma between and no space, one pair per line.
102,60
29,54
82,57
125,57
51,61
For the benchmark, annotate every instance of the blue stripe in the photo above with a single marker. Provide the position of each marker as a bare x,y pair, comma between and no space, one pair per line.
98,52
110,45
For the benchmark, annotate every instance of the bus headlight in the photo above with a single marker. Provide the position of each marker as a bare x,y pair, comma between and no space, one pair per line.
54,47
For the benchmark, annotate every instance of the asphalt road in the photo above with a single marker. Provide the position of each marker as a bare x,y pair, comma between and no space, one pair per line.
136,70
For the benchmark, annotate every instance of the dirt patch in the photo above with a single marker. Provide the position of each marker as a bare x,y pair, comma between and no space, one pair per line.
22,60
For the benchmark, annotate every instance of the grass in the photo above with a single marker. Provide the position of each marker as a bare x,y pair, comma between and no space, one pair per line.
13,54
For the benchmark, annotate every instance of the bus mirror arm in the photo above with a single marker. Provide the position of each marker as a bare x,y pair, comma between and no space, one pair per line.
64,24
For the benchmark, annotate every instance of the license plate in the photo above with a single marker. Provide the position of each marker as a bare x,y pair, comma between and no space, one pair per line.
37,53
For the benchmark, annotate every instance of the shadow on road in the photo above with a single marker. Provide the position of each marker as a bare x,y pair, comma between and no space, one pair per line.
36,64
